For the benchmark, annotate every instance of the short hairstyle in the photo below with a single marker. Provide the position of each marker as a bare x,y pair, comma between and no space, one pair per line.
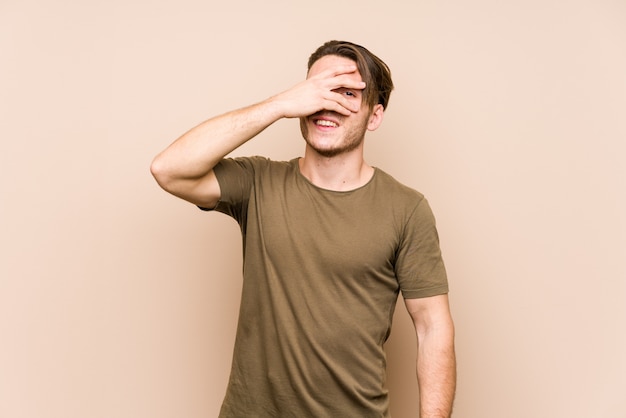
374,72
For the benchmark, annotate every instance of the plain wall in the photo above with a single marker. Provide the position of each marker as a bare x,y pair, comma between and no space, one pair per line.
120,301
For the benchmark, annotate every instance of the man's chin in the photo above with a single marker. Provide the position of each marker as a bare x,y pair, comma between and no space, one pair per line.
330,151
323,151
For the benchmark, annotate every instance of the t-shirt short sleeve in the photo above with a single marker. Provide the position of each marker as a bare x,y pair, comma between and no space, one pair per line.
419,266
236,177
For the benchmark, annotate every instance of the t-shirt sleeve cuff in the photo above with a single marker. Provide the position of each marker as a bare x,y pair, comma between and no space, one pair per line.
424,293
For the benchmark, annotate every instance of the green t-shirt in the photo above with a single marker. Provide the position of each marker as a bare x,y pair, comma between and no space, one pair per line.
322,272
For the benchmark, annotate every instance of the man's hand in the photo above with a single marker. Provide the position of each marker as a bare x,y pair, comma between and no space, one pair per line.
318,93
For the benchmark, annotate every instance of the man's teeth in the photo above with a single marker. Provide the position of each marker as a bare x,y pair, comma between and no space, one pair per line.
326,123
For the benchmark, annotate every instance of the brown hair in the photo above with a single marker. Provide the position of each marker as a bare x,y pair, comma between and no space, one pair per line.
374,72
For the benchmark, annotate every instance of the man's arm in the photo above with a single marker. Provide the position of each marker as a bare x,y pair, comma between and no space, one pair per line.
436,361
185,168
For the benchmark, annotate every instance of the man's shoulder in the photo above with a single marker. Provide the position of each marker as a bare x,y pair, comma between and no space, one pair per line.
396,187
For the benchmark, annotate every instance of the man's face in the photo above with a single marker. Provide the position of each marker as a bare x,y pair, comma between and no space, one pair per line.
330,133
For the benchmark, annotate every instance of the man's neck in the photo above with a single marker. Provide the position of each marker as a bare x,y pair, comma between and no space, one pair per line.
339,173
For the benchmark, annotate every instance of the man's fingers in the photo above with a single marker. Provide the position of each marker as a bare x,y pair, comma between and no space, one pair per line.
320,92
339,103
346,81
339,70
341,76
334,106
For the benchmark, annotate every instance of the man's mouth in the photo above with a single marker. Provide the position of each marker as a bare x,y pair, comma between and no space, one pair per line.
325,122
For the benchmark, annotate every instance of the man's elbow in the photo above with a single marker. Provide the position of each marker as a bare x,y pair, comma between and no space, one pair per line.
161,173
203,191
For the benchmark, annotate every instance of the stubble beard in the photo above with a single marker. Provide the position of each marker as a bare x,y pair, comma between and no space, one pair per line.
353,139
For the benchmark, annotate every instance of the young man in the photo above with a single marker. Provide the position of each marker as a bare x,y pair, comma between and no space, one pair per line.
329,242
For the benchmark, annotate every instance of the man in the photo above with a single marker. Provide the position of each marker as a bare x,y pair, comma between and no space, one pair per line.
329,242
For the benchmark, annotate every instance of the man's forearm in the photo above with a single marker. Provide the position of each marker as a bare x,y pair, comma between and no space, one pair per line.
436,372
196,152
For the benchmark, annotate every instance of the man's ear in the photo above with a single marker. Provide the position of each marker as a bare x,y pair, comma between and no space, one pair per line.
376,118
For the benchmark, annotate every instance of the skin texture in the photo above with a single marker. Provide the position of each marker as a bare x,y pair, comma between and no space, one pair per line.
333,120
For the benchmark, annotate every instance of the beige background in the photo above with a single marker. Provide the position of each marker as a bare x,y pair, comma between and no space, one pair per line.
119,301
